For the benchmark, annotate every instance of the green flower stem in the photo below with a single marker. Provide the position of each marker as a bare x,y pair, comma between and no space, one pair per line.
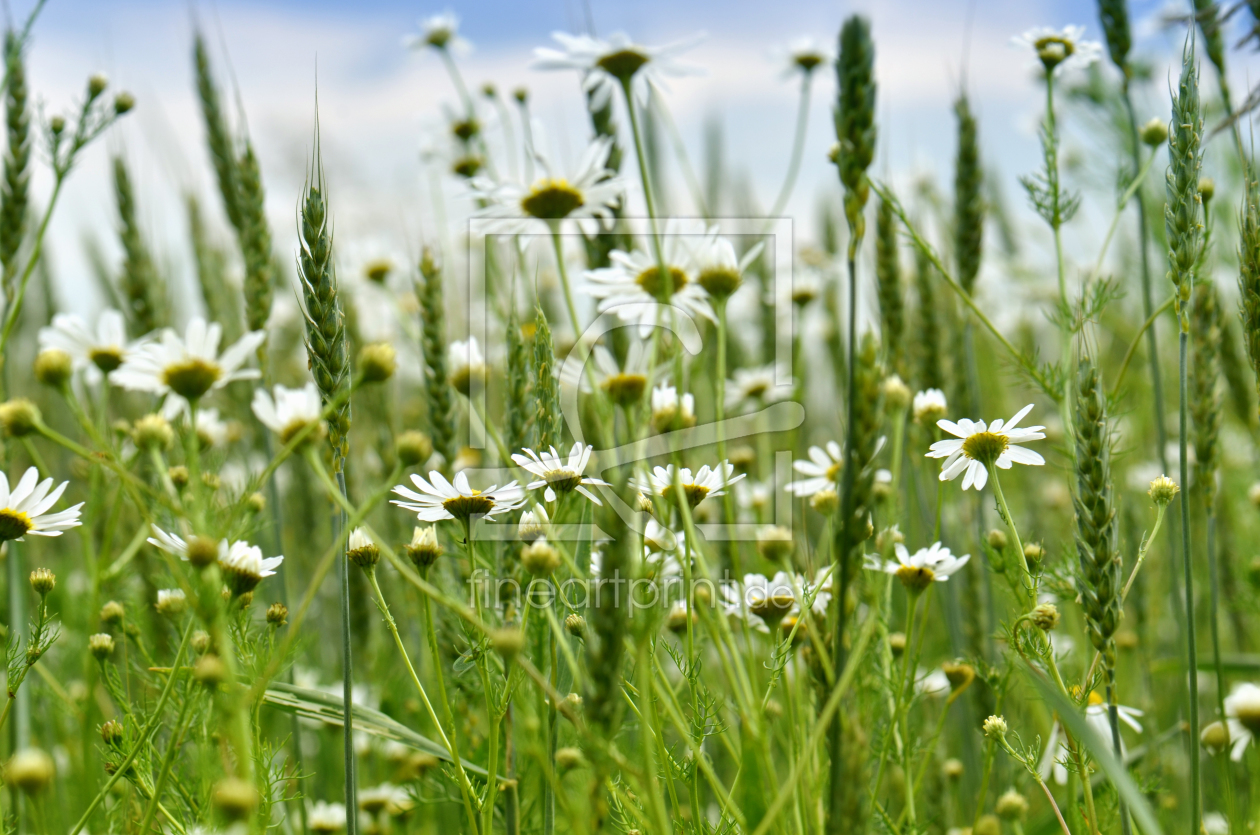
646,180
1029,585
557,246
347,661
1147,328
1065,402
465,787
155,719
798,146
168,758
1196,798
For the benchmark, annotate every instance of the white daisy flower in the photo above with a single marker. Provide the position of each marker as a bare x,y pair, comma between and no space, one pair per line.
24,509
758,386
439,31
242,564
99,351
393,800
557,474
1096,716
188,367
671,410
439,499
624,383
934,683
466,365
289,411
212,431
918,570
325,817
1060,50
820,471
605,64
734,604
706,483
718,269
1214,823
803,55
1242,717
770,598
534,524
634,288
587,196
928,406
980,446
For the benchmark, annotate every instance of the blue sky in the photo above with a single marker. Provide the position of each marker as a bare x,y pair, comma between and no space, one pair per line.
378,101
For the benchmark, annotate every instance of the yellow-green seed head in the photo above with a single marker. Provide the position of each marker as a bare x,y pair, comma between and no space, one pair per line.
377,362
1163,490
19,417
53,368
1154,133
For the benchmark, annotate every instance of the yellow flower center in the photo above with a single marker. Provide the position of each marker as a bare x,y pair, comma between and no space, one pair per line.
985,447
1094,698
625,389
293,427
720,282
379,270
650,281
622,64
106,359
13,524
915,578
192,377
772,606
562,480
465,507
808,61
833,472
695,493
1248,714
756,389
552,199
467,166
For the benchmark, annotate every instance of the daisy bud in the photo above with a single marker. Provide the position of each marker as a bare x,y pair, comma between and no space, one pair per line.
676,621
896,393
465,129
378,271
573,700
1154,133
362,551
19,417
1034,553
112,732
952,769
377,362
277,615
825,501
507,642
1046,616
997,540
1163,489
424,549
171,603
57,124
995,726
210,671
124,102
53,368
897,642
101,645
235,798
413,448
1207,188
112,613
645,505
201,642
43,581
539,558
256,503
929,407
178,476
153,432
887,538
960,675
1215,737
743,457
774,543
202,551
568,759
97,84
988,825
575,625
30,770
521,95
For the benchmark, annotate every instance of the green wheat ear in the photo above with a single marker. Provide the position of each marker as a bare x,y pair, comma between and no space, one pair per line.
1114,15
325,323
14,197
1206,397
1249,279
438,396
548,421
1184,208
1097,545
855,120
889,287
140,283
517,415
968,197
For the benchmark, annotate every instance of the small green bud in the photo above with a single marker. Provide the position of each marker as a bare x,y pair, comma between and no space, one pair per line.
53,368
377,362
43,581
97,84
19,417
1154,133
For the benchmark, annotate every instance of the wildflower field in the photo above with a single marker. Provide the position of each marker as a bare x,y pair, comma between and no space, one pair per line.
653,512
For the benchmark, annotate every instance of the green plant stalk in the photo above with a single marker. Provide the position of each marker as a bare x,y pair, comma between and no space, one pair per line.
798,146
1214,574
1196,799
150,726
645,178
347,659
1152,341
168,758
465,787
1065,403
